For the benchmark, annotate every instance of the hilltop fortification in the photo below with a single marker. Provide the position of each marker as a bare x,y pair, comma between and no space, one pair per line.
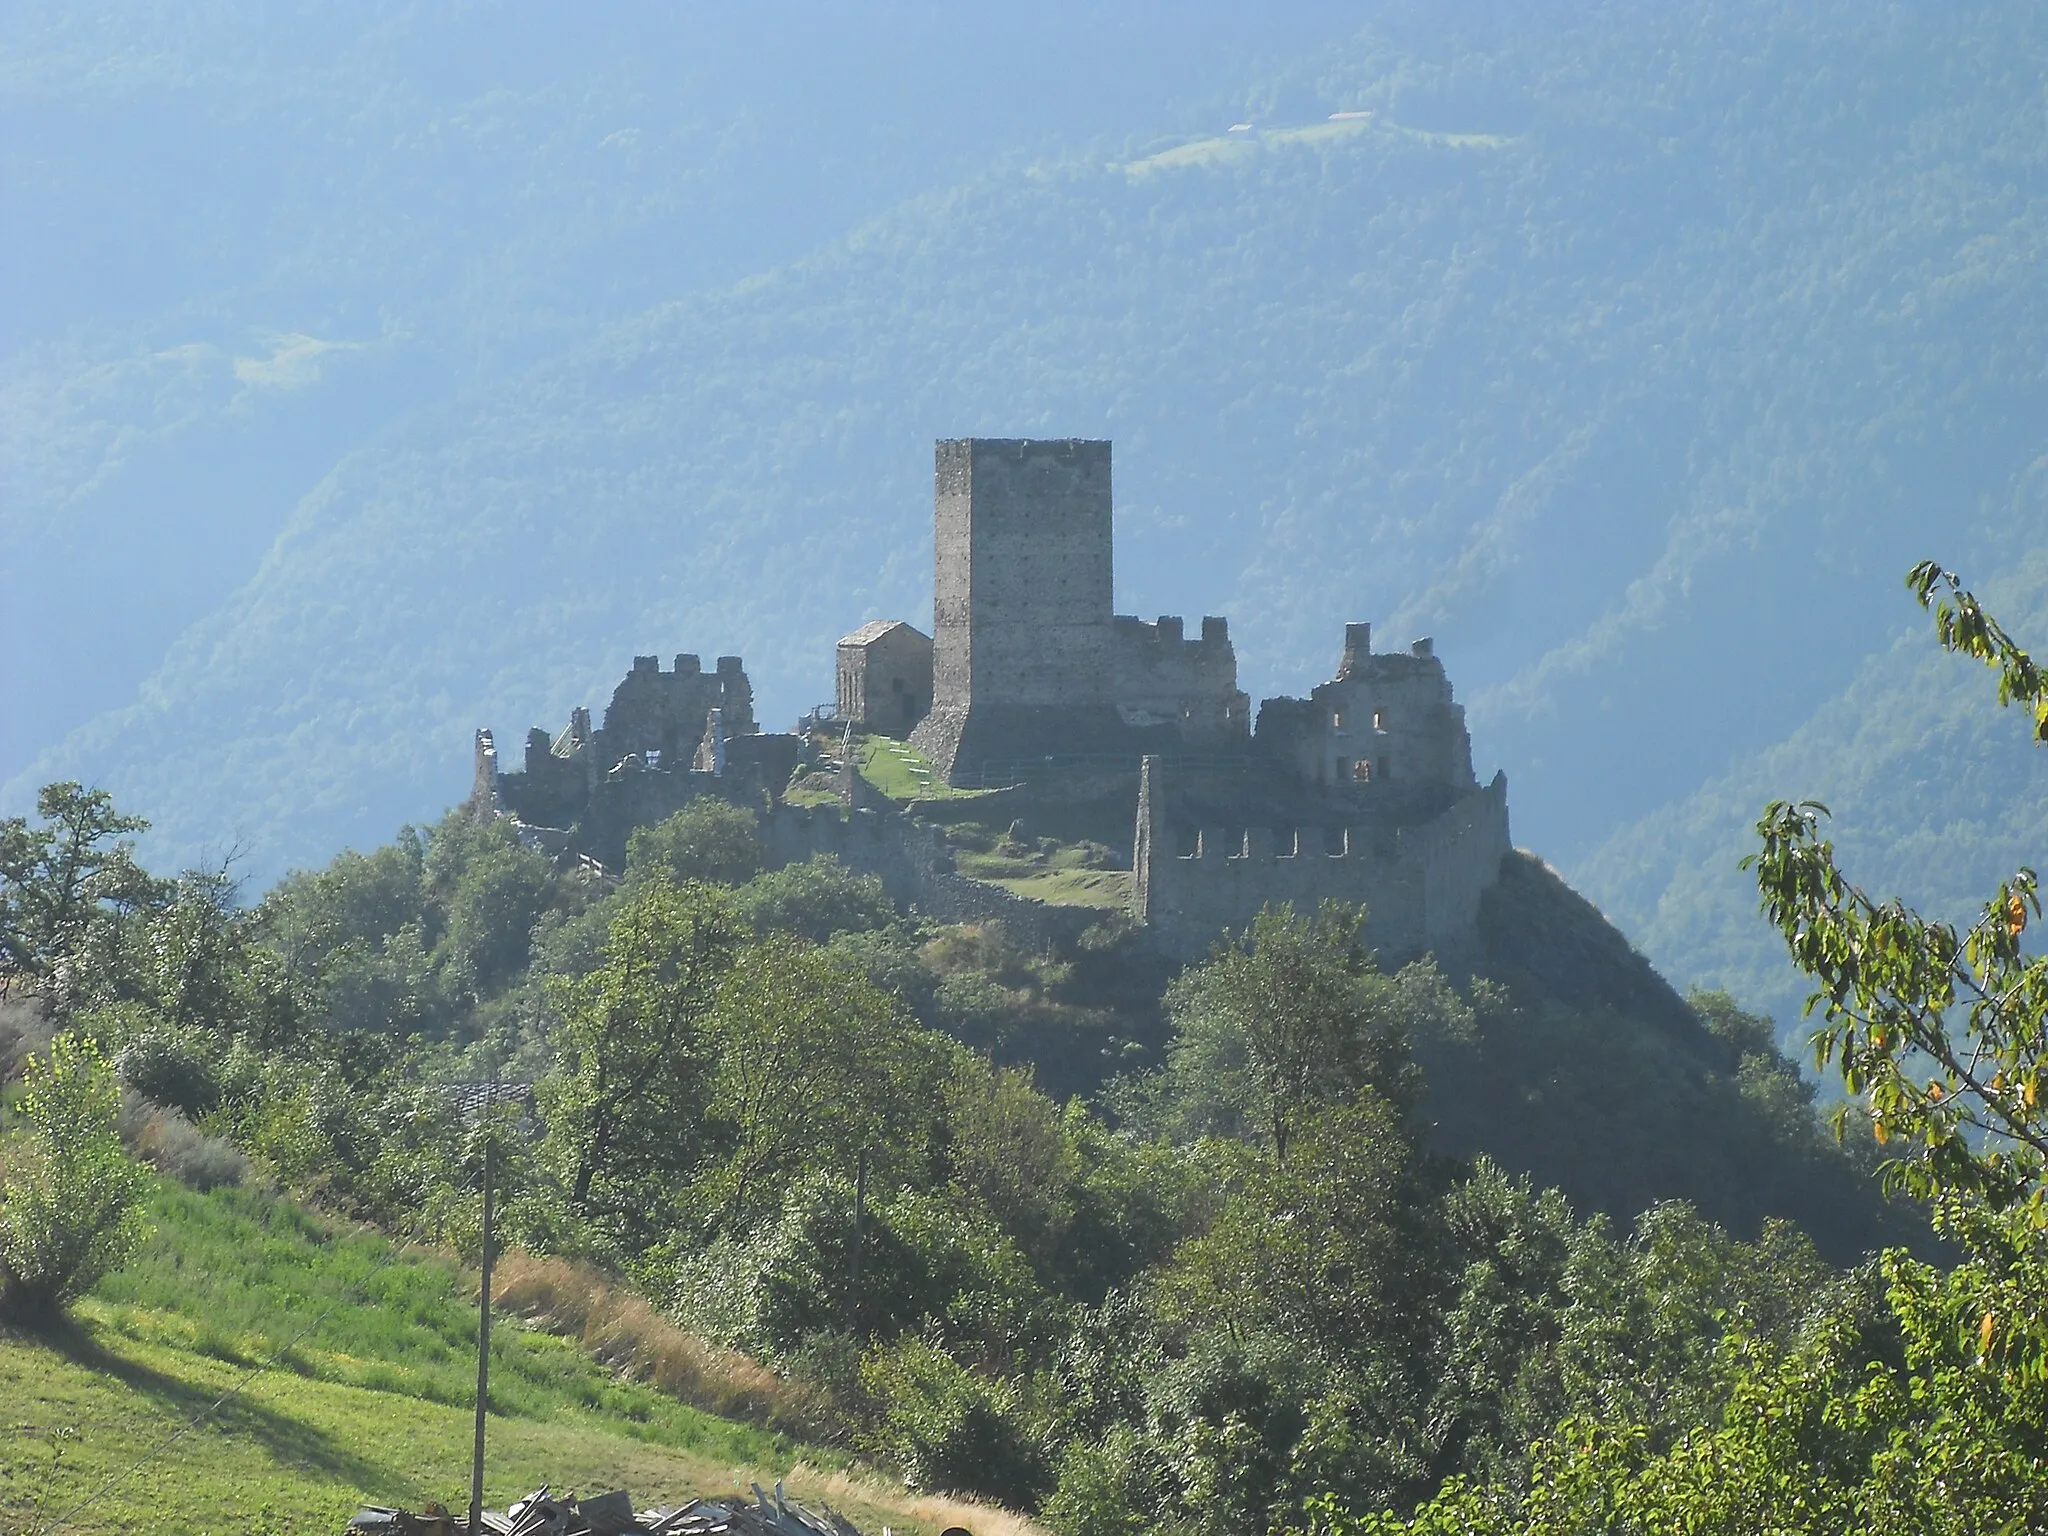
1362,790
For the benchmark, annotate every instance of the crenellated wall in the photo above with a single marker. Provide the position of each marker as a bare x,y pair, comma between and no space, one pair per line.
1420,885
1160,677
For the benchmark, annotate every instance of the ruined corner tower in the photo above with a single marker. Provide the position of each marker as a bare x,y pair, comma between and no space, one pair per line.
1023,665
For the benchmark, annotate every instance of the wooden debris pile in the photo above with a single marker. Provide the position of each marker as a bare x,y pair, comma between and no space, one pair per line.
612,1514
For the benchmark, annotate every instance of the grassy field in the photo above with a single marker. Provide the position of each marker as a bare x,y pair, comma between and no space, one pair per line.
1060,874
898,770
373,1404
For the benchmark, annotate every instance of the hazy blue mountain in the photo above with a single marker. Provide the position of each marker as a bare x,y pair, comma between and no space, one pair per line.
1631,351
243,240
1935,793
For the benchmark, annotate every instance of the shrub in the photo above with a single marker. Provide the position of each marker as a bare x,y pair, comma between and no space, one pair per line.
709,839
171,1067
68,1191
815,900
177,1147
952,1429
1106,1488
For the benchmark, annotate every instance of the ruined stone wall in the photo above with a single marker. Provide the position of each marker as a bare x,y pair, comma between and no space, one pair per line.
915,865
1420,885
1161,677
653,711
1384,727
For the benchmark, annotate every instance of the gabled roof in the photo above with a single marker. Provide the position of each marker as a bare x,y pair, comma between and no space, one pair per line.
874,629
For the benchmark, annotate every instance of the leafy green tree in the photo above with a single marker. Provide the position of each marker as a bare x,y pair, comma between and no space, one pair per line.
382,986
62,881
69,1192
494,901
1274,1025
1334,1249
1942,1034
815,900
359,898
814,1066
1010,1151
625,1102
709,840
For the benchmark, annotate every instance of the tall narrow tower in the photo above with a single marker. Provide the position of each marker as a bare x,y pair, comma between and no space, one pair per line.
1021,650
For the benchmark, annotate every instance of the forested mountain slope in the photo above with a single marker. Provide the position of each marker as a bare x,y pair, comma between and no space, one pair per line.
1629,351
1935,795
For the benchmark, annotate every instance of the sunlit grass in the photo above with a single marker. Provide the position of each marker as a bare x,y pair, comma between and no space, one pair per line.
373,1404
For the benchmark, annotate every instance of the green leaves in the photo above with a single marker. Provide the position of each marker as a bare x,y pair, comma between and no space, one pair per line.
60,882
1292,1017
1962,626
68,1191
1940,1033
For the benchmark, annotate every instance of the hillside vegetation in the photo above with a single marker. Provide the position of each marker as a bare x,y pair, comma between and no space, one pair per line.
356,1367
1075,1230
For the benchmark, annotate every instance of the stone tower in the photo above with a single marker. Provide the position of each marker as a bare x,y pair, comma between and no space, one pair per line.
1022,660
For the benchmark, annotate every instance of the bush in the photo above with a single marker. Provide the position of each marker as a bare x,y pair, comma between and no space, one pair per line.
951,1429
177,1147
1106,1488
172,1067
709,839
923,1265
815,900
68,1191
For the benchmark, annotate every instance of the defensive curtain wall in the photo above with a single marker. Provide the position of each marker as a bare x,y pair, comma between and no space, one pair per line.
1420,885
911,858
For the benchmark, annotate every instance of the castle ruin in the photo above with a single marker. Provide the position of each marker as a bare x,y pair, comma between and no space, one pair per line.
1362,791
1030,663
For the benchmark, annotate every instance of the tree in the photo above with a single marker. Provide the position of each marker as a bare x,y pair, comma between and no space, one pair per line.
625,1102
1292,1016
1335,1248
495,900
709,839
816,900
1943,1034
62,879
68,1191
815,1065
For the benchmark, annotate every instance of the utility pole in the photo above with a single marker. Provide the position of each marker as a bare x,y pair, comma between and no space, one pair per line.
483,1350
860,1210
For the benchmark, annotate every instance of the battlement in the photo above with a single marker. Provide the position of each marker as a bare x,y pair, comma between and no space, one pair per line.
1168,630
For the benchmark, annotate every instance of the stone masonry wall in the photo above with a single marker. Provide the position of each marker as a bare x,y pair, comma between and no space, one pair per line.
1420,885
1022,593
1161,677
915,865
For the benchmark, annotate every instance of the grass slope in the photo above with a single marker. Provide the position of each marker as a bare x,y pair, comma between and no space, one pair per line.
374,1403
